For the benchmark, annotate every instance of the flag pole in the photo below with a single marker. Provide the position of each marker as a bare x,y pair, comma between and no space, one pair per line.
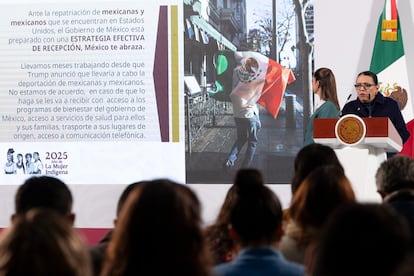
273,51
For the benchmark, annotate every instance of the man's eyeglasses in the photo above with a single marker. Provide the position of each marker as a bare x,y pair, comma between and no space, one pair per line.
364,86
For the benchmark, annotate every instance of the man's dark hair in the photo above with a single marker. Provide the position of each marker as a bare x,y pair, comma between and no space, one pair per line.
395,173
43,192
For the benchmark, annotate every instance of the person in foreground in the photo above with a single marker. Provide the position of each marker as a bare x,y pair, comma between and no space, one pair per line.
44,192
158,233
323,85
98,250
362,239
395,184
323,190
42,242
309,158
370,103
217,235
220,243
256,227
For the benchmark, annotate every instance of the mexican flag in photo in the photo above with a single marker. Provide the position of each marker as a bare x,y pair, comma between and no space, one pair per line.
253,77
389,62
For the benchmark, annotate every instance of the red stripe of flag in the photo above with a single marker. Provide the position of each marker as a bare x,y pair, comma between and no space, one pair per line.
393,9
393,12
277,78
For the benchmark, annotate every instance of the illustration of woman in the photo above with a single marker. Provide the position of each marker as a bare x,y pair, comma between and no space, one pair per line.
29,163
10,166
20,169
37,164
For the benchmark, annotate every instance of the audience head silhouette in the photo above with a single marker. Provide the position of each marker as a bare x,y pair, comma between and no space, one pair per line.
160,222
124,196
395,184
218,237
362,239
255,225
41,242
44,192
257,214
98,251
310,157
394,174
323,190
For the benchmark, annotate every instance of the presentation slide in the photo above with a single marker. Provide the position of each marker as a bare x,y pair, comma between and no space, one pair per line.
91,92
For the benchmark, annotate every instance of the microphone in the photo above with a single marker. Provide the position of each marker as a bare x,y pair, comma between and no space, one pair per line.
346,101
369,106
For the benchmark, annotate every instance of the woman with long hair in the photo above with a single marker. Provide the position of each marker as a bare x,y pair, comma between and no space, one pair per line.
255,225
43,242
158,233
324,86
322,191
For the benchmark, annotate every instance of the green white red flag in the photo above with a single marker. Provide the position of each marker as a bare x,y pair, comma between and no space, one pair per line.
252,76
388,59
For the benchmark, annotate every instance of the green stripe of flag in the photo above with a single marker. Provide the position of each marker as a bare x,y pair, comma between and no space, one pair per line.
386,52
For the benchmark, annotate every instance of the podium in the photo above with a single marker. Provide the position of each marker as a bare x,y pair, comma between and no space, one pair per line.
361,157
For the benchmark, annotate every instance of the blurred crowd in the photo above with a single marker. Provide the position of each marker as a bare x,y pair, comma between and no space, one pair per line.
158,228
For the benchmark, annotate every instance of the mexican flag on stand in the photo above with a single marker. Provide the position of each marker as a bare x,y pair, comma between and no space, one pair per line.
389,63
388,60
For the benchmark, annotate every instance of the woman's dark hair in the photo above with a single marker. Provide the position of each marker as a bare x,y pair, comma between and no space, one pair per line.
158,233
323,190
42,242
257,214
370,74
309,158
218,238
217,235
44,192
362,239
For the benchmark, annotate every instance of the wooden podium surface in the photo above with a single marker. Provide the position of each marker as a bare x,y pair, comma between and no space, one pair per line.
380,133
361,161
